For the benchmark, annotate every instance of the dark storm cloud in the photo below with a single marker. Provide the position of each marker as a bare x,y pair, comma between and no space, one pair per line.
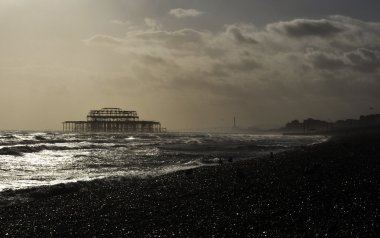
245,65
182,13
217,52
229,68
361,59
153,60
306,27
239,36
322,60
365,60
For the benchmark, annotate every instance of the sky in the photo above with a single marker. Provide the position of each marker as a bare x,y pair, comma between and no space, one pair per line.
190,64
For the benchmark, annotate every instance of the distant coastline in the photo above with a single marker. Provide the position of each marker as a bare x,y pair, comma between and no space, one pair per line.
312,126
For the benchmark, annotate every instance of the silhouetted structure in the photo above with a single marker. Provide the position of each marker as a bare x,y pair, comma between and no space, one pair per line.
234,123
112,120
312,126
294,126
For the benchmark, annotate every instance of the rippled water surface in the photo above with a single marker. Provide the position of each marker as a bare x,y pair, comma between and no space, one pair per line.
39,158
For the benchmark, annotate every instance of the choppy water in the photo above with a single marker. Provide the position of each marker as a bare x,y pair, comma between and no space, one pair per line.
30,159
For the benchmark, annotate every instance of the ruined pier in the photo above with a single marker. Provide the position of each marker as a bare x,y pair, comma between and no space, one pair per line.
112,119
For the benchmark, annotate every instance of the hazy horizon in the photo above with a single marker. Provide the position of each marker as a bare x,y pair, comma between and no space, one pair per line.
188,64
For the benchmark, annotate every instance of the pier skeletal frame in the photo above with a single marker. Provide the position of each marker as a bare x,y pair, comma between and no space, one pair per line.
112,120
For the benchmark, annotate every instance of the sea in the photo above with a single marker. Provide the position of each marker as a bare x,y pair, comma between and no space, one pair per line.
31,159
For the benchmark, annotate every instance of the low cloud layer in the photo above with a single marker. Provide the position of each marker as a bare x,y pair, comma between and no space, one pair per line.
306,27
182,13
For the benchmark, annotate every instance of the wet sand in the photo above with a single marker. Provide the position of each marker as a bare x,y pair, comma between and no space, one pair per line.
325,190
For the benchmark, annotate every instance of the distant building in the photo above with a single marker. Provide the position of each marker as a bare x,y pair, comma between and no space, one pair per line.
364,121
112,120
294,126
369,120
307,126
346,124
313,126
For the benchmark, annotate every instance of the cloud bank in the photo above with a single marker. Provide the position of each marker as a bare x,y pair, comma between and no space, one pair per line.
323,67
182,13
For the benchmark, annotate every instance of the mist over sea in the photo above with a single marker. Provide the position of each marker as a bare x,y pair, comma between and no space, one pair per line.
29,159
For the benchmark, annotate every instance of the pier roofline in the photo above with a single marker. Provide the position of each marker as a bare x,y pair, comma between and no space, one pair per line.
112,119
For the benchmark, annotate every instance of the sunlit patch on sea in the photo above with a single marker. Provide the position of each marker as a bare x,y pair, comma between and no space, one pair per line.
29,159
